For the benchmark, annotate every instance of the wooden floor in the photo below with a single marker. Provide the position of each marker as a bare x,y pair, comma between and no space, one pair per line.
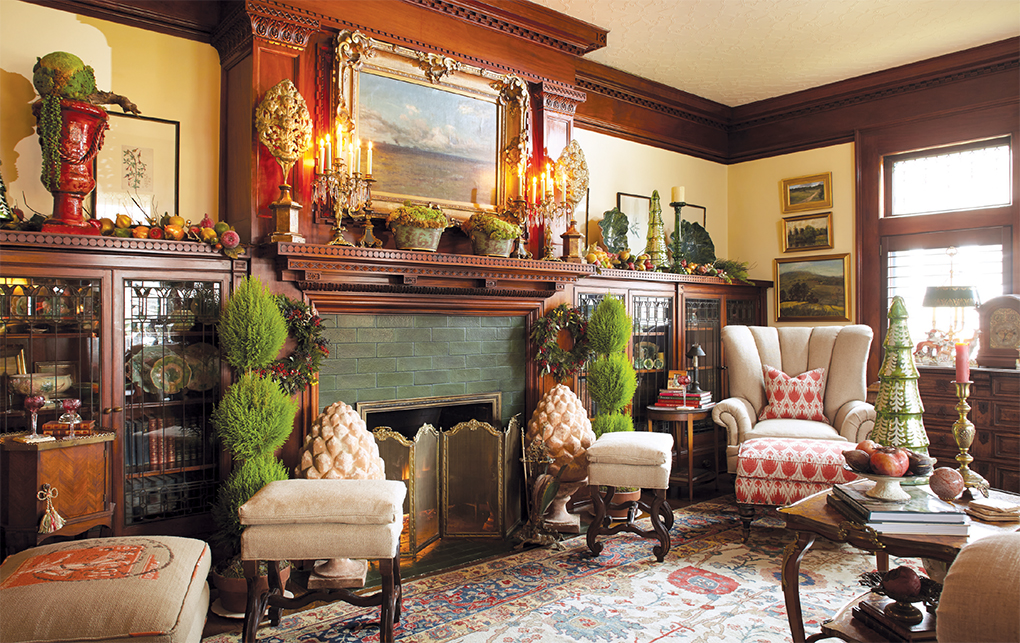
451,553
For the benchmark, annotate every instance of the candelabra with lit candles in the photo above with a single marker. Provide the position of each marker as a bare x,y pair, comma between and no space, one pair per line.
342,189
546,202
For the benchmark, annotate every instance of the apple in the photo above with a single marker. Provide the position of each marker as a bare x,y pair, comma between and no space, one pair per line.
890,461
901,583
868,446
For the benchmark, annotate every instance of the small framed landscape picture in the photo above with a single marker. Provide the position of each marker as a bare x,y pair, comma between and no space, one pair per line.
674,379
806,193
812,288
807,232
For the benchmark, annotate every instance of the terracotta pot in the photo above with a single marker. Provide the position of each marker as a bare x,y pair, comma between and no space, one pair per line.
486,246
623,496
233,592
412,238
83,127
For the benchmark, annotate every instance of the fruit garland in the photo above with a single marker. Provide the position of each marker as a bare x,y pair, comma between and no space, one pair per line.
300,368
561,364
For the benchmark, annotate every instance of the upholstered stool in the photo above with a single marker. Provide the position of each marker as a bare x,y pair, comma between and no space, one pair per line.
631,459
133,588
781,471
323,519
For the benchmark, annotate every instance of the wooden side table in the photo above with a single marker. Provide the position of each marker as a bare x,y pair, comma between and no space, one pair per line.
683,414
78,468
812,517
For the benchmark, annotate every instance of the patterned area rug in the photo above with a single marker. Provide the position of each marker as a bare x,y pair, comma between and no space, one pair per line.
711,587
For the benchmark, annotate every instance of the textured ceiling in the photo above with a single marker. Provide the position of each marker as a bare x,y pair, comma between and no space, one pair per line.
740,51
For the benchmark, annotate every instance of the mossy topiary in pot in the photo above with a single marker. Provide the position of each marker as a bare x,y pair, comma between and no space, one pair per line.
417,227
490,234
255,416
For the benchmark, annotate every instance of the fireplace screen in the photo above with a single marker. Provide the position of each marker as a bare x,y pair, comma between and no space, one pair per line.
463,478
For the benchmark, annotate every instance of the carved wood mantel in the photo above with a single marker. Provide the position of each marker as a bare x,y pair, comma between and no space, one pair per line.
386,272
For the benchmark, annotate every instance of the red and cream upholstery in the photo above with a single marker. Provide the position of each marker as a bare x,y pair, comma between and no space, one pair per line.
795,352
135,589
780,471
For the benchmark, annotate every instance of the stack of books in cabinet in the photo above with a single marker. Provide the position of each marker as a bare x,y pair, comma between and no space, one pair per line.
672,397
923,513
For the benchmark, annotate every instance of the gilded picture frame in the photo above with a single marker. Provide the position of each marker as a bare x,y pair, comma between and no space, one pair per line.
443,131
806,193
812,288
807,232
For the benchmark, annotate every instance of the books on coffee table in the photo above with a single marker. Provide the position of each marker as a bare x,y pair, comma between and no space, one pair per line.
871,612
901,527
923,505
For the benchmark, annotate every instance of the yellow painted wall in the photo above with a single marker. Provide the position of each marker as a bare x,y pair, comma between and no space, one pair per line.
616,165
167,77
756,215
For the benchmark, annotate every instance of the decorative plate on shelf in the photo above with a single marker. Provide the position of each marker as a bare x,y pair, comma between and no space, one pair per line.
170,374
139,366
204,361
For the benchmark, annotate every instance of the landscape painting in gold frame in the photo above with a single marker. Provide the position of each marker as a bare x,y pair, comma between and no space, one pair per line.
444,131
807,232
806,193
812,288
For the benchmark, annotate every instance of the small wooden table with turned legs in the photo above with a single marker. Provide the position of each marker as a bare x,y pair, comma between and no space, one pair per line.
688,415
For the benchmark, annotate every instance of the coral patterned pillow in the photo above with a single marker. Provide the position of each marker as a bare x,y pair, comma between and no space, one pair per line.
793,398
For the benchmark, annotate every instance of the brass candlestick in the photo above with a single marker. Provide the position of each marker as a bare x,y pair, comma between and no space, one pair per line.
963,433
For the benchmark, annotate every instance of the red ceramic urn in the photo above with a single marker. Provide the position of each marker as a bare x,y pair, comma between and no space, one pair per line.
83,126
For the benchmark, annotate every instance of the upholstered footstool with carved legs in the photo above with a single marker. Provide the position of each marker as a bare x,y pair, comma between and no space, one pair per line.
630,459
780,471
323,520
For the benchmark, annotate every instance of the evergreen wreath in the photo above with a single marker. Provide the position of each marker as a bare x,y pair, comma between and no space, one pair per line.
561,364
300,368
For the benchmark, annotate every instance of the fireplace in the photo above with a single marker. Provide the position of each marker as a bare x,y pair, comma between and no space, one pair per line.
463,473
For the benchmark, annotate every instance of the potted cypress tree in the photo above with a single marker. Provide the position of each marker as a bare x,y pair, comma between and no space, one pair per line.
253,420
611,378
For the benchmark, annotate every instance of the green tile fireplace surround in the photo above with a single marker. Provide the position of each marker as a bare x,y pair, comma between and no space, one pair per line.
401,357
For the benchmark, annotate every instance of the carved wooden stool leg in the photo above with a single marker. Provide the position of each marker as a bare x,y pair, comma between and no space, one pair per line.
388,609
746,513
397,588
660,530
596,523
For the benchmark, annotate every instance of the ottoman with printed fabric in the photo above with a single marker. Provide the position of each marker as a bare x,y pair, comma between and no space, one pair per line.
137,589
781,471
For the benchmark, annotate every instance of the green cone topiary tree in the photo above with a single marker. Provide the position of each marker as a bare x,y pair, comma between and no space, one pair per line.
611,378
255,416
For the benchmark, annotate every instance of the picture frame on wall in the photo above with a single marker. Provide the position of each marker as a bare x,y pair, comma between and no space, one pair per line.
137,169
806,193
636,207
812,288
807,232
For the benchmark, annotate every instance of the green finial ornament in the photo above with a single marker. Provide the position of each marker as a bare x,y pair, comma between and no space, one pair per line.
656,247
898,408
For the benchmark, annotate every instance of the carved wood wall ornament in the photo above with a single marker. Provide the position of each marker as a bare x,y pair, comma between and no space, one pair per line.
271,22
573,167
436,66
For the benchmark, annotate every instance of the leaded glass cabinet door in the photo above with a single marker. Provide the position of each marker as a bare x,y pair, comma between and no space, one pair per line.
703,326
652,345
51,346
172,381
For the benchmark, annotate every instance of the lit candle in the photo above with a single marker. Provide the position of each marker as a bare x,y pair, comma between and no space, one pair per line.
357,155
350,159
368,171
677,194
534,188
329,154
545,185
320,160
962,362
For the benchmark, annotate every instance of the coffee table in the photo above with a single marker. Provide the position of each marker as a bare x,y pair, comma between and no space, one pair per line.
813,517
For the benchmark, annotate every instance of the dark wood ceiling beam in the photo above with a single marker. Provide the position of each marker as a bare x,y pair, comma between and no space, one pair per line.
182,18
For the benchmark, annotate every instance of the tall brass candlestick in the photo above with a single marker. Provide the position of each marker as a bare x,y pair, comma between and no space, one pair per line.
963,433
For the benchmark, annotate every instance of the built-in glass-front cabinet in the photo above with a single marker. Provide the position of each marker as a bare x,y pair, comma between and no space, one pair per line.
131,332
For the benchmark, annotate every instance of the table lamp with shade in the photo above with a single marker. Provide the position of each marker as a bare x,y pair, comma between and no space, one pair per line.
694,352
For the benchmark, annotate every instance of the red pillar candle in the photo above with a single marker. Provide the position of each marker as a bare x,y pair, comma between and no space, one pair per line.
962,362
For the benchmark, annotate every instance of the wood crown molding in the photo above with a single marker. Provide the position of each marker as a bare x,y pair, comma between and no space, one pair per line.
557,97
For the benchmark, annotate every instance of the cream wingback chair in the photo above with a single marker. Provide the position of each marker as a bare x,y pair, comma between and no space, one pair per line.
841,350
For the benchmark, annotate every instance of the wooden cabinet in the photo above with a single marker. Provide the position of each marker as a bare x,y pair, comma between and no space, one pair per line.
133,323
995,411
77,470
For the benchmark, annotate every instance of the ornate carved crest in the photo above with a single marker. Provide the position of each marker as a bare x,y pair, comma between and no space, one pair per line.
574,169
436,66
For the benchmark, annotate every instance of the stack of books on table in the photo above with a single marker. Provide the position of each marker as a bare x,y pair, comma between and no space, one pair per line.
676,397
924,513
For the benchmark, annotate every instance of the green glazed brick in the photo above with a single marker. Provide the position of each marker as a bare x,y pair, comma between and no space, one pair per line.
414,363
465,348
449,334
395,379
375,335
448,389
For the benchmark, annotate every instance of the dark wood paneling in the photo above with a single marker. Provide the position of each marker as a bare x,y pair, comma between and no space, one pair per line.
181,18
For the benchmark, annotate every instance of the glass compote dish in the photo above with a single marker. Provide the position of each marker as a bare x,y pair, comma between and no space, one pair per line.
32,404
683,381
70,416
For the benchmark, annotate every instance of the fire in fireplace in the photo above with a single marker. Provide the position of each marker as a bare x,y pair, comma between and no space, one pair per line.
463,473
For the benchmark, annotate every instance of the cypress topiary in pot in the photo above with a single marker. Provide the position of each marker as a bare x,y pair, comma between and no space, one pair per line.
255,416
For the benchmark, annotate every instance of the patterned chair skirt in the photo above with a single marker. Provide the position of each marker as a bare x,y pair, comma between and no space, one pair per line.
781,471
